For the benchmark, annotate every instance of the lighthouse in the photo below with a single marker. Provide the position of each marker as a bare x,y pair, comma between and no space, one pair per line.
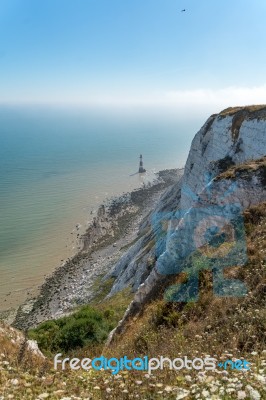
141,169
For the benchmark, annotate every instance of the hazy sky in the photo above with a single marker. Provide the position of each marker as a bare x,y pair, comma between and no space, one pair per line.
133,52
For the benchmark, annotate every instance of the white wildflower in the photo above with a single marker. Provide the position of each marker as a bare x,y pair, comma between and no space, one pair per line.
253,393
241,395
230,390
213,388
182,394
168,389
205,393
43,395
260,378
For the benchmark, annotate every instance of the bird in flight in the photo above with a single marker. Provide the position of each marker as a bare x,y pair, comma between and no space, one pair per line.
183,10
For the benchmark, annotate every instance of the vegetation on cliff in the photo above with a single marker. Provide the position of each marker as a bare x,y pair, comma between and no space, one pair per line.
221,327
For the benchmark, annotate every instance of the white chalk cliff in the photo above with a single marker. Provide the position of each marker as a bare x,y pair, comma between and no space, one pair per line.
225,173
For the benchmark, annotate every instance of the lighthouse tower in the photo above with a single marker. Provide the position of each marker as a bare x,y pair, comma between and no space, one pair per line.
141,169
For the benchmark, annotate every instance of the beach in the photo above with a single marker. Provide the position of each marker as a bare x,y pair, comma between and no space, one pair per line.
56,167
79,279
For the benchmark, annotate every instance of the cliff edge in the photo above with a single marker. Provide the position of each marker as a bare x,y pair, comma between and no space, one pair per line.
225,174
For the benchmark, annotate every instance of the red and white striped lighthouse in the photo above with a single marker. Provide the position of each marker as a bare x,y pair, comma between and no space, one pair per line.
141,169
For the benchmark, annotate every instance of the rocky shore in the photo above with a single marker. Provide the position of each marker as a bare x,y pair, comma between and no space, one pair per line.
80,280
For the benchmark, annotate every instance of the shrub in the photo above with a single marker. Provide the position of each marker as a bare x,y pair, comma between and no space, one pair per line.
87,326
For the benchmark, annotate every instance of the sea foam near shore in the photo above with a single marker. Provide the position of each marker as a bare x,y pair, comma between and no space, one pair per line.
55,168
112,230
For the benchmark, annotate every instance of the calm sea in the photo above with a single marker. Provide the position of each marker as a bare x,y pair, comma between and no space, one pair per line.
56,166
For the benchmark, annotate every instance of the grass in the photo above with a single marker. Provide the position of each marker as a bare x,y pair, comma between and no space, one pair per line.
228,317
212,325
101,288
215,326
249,166
233,110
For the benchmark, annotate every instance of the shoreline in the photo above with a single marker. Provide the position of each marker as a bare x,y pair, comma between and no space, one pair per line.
78,280
49,237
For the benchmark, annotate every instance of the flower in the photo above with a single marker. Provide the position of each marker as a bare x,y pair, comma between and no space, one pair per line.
182,394
253,393
241,395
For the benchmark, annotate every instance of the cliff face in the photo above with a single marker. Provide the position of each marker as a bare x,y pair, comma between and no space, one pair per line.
225,173
231,137
15,347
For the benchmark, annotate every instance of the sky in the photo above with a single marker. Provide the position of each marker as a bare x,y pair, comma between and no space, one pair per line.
133,53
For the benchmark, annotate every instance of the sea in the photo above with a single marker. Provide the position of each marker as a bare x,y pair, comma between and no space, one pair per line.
57,165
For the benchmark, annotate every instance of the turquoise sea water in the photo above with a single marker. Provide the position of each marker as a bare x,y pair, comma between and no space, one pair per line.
56,166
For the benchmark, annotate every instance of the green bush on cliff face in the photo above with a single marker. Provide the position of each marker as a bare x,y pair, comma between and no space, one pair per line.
87,326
